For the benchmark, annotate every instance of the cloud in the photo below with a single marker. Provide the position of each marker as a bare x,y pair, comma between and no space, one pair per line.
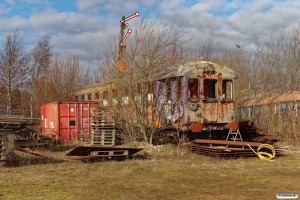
244,22
52,22
13,23
89,27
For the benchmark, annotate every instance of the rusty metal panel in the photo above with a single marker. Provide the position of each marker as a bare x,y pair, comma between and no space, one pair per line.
97,152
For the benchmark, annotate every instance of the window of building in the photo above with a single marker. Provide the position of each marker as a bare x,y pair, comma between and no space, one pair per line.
105,98
149,92
210,88
115,97
193,89
227,90
76,98
125,97
82,97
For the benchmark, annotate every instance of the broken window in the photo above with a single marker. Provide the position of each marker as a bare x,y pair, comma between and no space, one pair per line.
193,88
227,90
89,97
168,89
210,88
97,96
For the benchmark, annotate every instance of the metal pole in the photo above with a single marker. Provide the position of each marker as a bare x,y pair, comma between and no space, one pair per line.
121,47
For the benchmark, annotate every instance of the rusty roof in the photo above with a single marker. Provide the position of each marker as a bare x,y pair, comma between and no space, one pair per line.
194,68
273,99
287,97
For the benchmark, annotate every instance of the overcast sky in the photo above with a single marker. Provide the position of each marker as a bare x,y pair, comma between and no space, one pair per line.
87,26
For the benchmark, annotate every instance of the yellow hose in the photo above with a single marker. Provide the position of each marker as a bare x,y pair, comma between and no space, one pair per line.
264,155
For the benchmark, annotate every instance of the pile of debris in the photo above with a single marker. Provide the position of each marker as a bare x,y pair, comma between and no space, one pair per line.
232,149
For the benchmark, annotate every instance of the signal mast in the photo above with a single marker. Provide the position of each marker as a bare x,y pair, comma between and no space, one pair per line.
122,64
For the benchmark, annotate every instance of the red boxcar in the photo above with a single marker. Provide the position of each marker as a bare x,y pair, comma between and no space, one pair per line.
67,121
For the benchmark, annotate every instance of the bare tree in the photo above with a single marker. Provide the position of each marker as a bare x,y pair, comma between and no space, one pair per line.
156,50
63,78
13,68
40,63
207,49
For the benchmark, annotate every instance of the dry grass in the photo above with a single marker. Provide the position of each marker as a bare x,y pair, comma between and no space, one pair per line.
169,173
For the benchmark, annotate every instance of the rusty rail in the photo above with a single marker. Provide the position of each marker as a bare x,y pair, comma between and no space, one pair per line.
27,150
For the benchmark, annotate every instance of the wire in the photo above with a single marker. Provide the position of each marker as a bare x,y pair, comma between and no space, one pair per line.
264,155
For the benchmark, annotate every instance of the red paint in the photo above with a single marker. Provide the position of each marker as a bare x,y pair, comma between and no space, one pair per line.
67,121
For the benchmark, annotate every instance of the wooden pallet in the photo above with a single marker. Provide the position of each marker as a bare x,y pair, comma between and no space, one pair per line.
103,129
3,148
6,147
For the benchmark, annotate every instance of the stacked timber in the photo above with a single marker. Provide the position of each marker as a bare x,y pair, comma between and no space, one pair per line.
3,147
230,149
103,128
6,147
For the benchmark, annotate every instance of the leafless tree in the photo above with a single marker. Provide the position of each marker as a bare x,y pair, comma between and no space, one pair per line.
207,49
155,50
63,78
13,68
40,63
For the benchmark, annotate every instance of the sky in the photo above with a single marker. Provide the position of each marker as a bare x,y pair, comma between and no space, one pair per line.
88,26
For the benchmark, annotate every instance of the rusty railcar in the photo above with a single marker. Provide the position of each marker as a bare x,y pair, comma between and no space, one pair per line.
198,97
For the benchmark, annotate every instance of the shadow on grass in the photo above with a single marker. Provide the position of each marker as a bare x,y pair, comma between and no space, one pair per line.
61,148
20,162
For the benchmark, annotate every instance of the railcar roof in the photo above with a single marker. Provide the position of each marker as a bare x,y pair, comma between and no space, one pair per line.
194,68
282,98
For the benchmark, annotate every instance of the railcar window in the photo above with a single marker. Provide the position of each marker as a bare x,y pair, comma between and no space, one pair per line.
210,86
193,87
97,96
89,97
168,89
227,90
105,98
